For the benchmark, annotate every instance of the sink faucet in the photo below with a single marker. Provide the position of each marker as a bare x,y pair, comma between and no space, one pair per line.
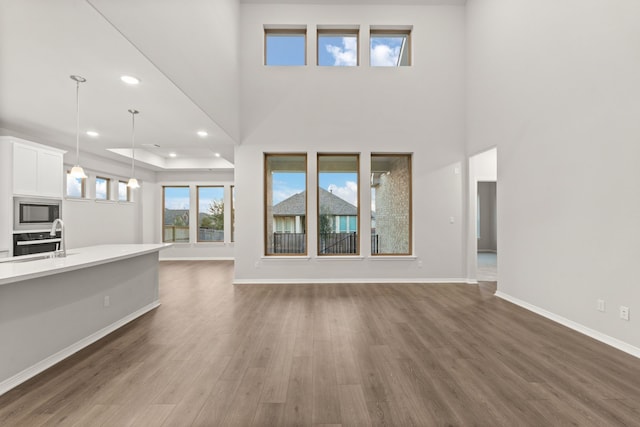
62,252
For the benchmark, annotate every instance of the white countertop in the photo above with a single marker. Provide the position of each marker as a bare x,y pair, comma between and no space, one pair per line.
11,271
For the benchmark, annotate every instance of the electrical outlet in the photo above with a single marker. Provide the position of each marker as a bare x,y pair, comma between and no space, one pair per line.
624,312
601,305
107,302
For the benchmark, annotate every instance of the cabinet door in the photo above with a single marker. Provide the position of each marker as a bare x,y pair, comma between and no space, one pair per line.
50,170
25,170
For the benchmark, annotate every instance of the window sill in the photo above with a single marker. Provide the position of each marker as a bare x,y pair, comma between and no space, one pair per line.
77,199
104,201
288,257
339,258
393,257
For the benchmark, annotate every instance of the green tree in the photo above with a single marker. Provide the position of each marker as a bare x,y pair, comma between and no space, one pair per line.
326,222
216,210
180,221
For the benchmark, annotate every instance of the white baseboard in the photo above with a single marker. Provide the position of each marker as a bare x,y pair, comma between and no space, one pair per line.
41,366
604,338
339,281
196,258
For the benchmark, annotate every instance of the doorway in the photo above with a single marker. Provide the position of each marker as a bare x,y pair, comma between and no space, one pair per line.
487,233
482,249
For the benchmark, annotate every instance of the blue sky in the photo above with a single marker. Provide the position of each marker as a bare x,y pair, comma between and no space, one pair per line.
343,185
332,50
178,197
338,51
285,50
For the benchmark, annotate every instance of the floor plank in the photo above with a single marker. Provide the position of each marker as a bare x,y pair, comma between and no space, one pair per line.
342,355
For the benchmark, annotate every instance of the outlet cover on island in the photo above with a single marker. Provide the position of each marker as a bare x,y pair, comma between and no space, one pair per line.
601,305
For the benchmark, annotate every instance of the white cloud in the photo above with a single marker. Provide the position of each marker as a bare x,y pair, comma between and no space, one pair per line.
177,203
347,55
101,189
383,55
74,187
349,192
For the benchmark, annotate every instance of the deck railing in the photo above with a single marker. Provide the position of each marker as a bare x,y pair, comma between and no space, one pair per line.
329,243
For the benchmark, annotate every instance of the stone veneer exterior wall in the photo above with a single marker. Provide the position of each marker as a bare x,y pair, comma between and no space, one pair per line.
393,207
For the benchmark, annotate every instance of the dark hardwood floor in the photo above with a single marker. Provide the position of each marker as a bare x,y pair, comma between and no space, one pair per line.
310,355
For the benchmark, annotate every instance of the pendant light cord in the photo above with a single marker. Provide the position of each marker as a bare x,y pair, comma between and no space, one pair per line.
77,122
133,143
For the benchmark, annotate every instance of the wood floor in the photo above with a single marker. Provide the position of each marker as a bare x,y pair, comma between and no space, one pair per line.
351,355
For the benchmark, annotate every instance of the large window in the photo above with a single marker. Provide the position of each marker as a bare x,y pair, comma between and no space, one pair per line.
338,213
76,187
285,46
390,48
391,204
175,218
285,192
124,192
211,214
338,47
102,188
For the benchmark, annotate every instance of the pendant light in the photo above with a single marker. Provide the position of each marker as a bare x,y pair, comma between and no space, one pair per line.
133,183
77,171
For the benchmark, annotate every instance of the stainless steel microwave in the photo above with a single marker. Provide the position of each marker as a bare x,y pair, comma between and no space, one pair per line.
35,214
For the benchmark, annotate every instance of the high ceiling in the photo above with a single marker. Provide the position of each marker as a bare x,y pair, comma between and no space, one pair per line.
185,57
43,42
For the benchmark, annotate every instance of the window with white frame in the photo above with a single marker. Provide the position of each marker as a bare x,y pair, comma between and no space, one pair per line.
391,204
103,188
338,213
175,215
76,187
210,200
389,47
338,47
285,46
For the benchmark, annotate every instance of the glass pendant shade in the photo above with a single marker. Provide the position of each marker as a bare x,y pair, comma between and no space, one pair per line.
133,183
77,172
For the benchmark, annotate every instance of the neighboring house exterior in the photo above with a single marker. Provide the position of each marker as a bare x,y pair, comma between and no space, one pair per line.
289,216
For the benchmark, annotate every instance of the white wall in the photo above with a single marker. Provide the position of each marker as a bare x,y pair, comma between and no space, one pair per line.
194,44
555,86
417,109
194,250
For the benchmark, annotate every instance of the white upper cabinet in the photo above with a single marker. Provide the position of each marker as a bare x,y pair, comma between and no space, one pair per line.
37,170
50,174
25,170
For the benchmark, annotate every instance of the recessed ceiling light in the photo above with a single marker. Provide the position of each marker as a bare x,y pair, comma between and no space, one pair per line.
93,133
202,133
172,154
216,154
130,80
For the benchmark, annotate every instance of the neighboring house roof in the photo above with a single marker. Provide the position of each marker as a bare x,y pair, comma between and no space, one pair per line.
294,205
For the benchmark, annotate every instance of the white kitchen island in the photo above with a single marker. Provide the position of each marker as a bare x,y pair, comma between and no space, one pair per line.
51,308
